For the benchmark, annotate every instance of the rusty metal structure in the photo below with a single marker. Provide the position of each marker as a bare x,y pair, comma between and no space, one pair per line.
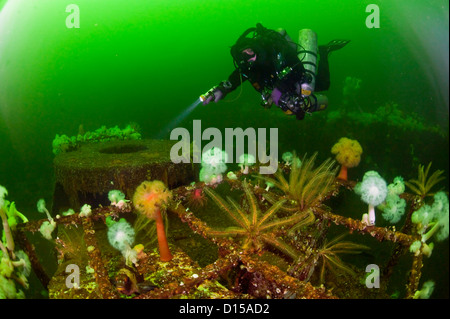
235,272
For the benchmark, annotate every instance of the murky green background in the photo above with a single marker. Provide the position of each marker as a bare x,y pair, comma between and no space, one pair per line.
145,61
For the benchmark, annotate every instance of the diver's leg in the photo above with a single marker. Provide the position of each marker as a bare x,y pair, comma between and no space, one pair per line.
323,72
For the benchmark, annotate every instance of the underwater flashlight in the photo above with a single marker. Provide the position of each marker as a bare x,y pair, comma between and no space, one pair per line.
208,94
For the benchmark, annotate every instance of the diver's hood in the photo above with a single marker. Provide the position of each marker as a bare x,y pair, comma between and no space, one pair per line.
241,58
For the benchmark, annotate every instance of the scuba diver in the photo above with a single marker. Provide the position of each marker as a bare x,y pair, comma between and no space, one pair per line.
282,71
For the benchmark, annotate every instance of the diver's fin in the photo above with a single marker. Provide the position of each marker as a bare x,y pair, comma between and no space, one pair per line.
325,50
336,45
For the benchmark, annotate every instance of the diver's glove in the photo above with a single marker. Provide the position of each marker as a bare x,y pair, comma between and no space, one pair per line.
276,95
214,95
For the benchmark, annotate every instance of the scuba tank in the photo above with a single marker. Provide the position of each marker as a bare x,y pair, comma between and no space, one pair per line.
307,39
319,103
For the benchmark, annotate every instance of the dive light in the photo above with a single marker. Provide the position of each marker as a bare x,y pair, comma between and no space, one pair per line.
208,94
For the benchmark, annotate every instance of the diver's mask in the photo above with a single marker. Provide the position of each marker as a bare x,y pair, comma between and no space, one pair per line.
247,59
249,55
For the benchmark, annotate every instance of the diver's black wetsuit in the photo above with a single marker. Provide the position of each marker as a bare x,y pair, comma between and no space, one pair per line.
273,54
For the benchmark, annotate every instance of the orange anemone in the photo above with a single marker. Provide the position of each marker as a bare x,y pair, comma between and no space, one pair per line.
148,199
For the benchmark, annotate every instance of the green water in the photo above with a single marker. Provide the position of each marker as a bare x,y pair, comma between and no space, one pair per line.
146,61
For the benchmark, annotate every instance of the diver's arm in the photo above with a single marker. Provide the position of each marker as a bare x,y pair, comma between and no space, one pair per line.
219,91
233,82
